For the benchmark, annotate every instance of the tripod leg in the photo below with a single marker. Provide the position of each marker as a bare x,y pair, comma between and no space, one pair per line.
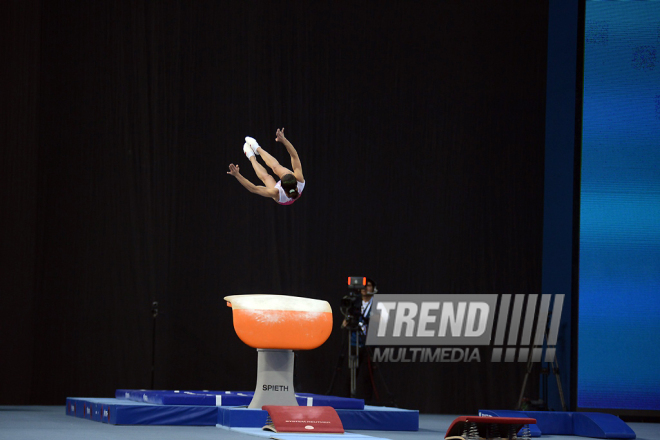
340,363
555,370
353,359
524,384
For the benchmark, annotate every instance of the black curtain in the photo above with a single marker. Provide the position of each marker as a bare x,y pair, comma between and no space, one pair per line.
420,126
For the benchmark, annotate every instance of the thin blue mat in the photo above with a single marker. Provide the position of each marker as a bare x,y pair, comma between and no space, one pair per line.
373,418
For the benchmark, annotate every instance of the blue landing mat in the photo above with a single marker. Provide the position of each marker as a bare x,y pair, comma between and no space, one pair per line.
229,398
584,424
126,412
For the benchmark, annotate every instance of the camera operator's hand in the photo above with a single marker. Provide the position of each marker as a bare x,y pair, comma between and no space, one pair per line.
344,324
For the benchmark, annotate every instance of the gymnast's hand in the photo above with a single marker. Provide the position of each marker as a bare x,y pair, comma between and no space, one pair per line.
233,170
279,135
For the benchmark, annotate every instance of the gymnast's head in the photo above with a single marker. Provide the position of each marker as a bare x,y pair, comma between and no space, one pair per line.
290,186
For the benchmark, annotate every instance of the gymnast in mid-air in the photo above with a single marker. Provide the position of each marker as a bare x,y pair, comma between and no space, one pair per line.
290,186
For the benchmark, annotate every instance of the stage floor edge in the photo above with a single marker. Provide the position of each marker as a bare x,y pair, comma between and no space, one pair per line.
125,412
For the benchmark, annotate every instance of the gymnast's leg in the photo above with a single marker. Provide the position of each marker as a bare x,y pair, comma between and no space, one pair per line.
262,174
272,163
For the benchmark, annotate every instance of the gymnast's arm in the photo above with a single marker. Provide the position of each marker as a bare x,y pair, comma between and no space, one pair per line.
273,193
295,160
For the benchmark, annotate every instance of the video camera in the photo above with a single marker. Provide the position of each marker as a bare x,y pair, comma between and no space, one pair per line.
351,304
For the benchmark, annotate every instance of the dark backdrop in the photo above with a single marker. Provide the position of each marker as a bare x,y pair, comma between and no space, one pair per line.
420,126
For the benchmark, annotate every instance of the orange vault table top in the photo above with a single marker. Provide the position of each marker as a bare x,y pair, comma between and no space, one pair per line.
280,321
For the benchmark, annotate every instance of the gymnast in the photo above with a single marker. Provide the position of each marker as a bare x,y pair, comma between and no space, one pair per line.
290,186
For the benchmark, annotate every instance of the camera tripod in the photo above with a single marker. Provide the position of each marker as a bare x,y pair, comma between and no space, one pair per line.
353,332
355,352
554,366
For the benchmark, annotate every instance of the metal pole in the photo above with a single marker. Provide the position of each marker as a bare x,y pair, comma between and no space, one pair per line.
154,313
353,359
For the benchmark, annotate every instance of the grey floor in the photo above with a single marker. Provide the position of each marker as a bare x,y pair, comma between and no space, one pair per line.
51,423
